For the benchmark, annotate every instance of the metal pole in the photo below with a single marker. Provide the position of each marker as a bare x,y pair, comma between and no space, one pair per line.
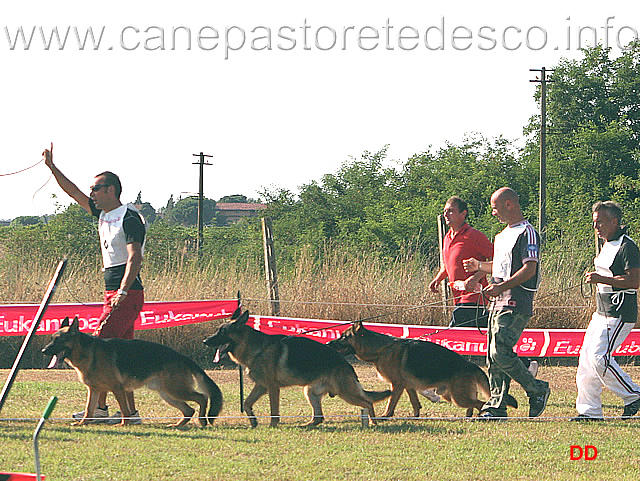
34,326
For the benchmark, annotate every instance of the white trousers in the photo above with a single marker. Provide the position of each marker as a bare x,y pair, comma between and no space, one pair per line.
597,368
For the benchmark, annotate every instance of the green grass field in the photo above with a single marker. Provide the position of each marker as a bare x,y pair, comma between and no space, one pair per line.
444,447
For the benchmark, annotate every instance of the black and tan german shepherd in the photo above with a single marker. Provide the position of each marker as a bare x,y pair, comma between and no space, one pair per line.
119,365
417,365
277,361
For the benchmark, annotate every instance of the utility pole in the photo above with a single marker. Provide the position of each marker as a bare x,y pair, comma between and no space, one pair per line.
542,206
201,163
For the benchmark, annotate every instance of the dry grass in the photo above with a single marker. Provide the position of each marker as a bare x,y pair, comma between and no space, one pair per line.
341,287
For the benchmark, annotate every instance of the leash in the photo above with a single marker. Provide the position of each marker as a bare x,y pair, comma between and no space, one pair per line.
471,322
369,318
102,324
22,170
490,301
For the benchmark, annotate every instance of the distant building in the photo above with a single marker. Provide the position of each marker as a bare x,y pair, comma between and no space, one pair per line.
230,212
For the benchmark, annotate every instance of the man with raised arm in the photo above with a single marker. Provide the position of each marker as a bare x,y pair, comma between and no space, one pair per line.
122,232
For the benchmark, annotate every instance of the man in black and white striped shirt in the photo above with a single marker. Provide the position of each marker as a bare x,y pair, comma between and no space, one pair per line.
514,279
617,278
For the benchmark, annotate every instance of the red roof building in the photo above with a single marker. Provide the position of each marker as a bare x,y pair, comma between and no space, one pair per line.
234,211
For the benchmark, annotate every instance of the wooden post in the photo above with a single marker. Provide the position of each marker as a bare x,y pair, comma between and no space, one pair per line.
270,266
442,230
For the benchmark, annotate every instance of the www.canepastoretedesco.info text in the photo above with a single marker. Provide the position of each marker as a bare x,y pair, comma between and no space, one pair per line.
307,36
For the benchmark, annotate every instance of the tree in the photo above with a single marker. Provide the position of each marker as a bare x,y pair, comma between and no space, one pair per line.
148,212
594,126
26,220
235,199
185,212
166,210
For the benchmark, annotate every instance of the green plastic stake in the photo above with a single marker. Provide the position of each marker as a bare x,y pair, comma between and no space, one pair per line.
45,416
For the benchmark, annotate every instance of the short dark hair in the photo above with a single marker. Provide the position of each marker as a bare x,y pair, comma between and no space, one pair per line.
612,209
112,179
458,203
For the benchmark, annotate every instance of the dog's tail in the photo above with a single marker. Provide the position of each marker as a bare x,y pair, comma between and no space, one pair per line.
213,393
377,396
482,384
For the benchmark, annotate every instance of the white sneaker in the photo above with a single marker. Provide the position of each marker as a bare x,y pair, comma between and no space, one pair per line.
117,418
533,368
431,395
100,416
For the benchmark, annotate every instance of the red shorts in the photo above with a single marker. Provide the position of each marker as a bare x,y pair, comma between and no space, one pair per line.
121,322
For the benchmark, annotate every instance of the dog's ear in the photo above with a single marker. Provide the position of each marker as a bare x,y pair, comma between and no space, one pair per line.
65,322
357,326
243,318
75,326
236,314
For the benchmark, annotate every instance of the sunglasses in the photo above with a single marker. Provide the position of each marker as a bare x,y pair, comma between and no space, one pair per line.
97,187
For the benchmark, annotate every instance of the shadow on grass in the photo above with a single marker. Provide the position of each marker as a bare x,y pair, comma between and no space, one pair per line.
24,432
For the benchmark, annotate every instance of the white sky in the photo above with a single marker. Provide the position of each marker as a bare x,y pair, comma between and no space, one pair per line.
279,117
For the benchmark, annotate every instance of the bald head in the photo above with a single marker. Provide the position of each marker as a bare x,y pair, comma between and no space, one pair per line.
505,205
506,193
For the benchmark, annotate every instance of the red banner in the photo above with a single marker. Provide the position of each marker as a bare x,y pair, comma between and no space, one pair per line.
16,320
463,340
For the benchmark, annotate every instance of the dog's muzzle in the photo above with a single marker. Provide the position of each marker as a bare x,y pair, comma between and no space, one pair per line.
220,352
57,359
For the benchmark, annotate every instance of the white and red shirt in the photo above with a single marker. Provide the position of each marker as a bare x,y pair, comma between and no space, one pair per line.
117,228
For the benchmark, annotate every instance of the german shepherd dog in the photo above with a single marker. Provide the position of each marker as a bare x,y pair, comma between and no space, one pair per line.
415,366
119,365
276,361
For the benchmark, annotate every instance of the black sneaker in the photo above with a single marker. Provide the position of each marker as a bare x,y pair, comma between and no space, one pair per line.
583,418
538,402
631,409
492,415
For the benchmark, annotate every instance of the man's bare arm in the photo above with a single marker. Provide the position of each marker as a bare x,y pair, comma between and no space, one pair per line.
65,184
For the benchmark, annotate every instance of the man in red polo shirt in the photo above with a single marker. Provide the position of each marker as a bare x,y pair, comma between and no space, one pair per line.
462,242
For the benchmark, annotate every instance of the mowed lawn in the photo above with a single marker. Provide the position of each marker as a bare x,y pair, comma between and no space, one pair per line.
441,446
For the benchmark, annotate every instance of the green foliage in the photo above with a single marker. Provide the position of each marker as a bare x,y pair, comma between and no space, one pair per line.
71,234
148,212
392,212
185,211
593,113
236,198
26,220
